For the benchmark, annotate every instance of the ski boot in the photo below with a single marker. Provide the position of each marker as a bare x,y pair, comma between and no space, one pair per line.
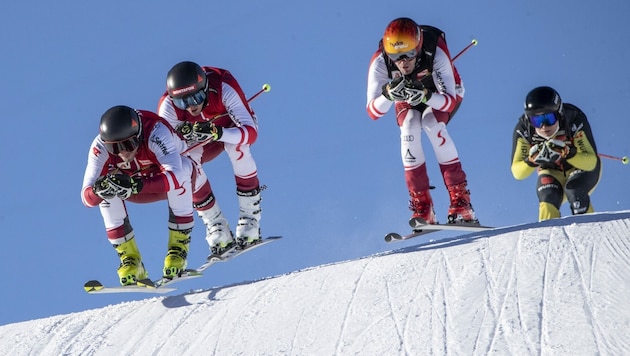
248,227
175,260
218,232
461,211
422,206
131,268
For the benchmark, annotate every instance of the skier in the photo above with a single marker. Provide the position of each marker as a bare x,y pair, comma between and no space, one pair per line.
137,157
207,106
412,69
555,138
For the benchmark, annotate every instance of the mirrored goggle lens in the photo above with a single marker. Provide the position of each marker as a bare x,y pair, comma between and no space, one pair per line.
191,100
128,145
405,56
545,119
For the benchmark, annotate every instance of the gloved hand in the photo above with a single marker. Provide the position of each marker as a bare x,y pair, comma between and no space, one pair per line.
103,189
395,90
565,150
550,154
124,185
205,130
416,93
186,130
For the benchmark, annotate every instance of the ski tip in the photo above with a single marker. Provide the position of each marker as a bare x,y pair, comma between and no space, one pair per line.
93,286
392,236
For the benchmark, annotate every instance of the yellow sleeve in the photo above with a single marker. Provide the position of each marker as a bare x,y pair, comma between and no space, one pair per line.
585,158
520,168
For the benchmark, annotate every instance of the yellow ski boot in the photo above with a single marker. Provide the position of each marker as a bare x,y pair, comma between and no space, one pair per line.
175,261
131,268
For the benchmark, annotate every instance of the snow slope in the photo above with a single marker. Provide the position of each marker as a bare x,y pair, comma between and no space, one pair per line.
559,287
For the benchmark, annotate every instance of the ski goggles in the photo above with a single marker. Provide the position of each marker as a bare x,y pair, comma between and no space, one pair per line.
191,100
404,56
128,145
547,119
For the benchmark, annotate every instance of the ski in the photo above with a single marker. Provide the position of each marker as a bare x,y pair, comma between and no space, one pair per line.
160,285
420,227
96,287
211,260
419,224
393,236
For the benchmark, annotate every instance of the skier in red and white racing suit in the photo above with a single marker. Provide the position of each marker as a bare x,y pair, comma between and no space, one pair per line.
137,158
413,70
207,106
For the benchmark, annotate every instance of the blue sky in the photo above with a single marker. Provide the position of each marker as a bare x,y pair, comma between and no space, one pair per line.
334,177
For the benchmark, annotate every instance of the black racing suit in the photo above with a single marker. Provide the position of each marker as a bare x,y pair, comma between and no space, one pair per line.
573,177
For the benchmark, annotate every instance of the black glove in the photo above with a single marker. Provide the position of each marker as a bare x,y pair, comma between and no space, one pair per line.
103,189
124,185
186,130
416,93
205,130
395,90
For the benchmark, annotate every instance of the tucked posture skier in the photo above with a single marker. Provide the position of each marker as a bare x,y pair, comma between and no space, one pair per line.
413,70
207,106
137,157
555,139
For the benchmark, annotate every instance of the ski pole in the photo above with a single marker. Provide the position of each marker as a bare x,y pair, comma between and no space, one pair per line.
472,43
623,159
265,88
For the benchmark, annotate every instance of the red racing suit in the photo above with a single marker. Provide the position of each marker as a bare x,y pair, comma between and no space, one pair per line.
227,107
435,69
165,173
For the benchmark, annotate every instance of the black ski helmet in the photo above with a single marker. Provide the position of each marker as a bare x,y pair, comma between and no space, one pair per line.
184,79
542,100
120,123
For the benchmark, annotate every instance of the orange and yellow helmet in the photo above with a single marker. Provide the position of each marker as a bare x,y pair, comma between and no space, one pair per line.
402,39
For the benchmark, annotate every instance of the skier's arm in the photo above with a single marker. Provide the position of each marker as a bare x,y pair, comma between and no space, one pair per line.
521,167
585,157
246,130
166,110
377,104
97,161
167,147
444,79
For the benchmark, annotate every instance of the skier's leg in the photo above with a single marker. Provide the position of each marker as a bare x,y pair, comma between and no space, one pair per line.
180,221
550,194
248,191
120,234
218,234
211,151
244,166
414,163
460,209
580,184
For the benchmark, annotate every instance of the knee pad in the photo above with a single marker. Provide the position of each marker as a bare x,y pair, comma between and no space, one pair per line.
549,190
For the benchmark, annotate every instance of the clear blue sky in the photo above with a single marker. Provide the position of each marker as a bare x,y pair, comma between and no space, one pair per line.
334,177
